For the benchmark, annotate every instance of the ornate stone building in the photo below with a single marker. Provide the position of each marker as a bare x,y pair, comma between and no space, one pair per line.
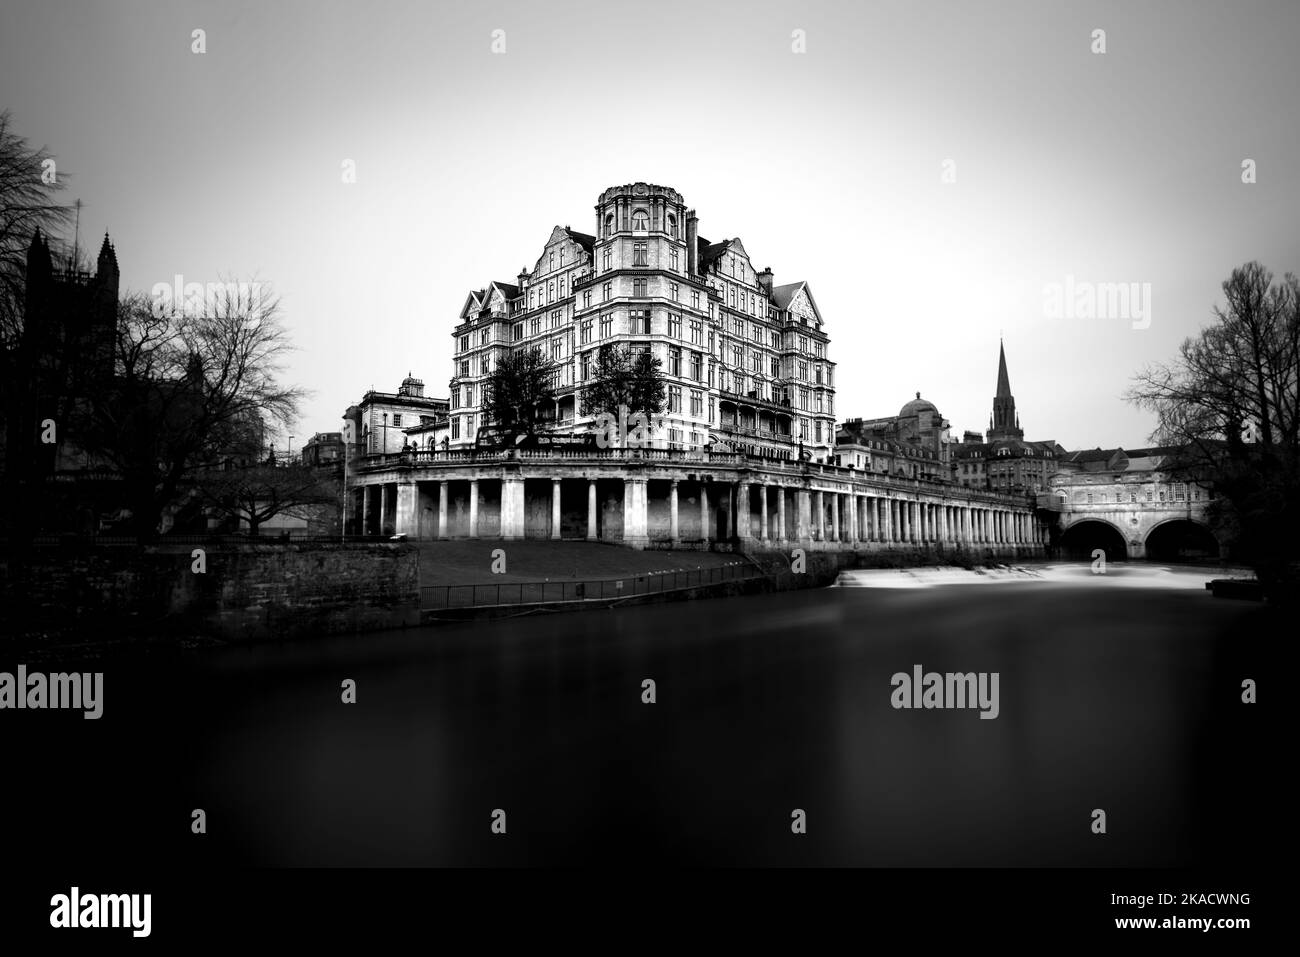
1133,504
1005,462
60,360
913,444
381,420
746,361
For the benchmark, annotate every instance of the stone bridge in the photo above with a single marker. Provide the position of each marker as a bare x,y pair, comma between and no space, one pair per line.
1170,530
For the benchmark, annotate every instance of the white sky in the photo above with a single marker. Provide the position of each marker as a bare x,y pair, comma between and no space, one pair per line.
1122,167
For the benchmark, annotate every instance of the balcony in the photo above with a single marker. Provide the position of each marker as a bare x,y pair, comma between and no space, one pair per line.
783,407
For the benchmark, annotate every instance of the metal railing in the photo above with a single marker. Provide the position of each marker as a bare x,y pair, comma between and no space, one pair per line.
439,597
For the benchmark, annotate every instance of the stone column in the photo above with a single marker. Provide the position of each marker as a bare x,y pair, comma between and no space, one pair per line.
705,523
512,508
803,514
762,511
383,508
473,508
781,534
744,527
408,516
819,517
442,509
365,510
851,517
555,509
591,510
835,515
635,522
672,512
728,524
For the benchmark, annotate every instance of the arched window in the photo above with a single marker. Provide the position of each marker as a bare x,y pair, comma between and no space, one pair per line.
672,225
640,220
609,225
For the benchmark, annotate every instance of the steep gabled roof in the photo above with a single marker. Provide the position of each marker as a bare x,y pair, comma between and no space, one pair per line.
582,239
710,252
782,296
473,302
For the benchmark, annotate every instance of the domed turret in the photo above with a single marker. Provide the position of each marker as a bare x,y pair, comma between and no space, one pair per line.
916,407
412,386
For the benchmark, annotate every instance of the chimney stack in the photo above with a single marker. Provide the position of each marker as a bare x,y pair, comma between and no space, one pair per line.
692,243
765,280
523,274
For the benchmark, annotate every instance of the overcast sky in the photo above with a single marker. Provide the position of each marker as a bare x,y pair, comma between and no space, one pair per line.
1122,166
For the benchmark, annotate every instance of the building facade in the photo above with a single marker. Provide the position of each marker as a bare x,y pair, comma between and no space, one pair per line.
746,456
324,449
1004,461
379,422
913,444
1131,504
746,362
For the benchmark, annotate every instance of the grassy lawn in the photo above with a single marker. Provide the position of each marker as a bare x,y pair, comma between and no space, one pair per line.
469,563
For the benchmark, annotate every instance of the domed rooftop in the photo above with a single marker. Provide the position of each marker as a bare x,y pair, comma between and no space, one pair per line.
916,407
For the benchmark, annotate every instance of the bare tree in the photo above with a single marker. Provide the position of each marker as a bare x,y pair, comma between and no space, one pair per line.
29,186
191,386
258,493
1231,402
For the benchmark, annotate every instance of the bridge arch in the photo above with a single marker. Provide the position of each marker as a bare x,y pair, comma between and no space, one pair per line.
1181,539
1083,537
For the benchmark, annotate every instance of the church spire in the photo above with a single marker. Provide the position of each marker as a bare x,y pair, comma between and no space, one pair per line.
1006,424
1004,381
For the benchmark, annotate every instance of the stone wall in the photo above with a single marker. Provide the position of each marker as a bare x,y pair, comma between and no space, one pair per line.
247,593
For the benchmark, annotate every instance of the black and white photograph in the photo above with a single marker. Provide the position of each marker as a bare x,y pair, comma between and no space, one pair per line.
639,444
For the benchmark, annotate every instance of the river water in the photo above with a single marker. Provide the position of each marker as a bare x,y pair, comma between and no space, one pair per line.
1118,692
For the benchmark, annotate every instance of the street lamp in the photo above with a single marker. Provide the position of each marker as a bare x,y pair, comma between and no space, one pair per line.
288,455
